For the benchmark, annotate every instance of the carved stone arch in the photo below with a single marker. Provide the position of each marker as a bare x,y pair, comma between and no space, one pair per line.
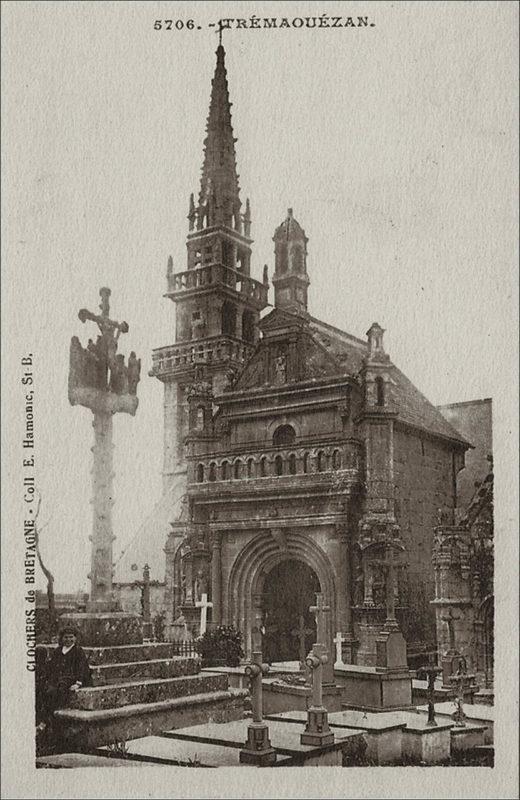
252,566
286,419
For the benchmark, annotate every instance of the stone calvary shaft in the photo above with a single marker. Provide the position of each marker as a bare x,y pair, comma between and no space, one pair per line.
100,380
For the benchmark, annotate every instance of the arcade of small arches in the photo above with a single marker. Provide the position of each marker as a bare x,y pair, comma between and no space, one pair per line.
282,462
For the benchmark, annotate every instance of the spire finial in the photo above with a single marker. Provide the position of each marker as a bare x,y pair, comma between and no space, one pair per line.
219,189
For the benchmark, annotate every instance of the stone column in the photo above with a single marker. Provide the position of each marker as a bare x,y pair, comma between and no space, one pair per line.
344,604
216,577
102,493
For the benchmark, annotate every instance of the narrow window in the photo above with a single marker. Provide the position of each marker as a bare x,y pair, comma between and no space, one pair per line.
248,327
263,466
320,465
278,465
250,467
380,391
212,476
336,459
306,462
292,464
225,470
200,418
229,318
200,473
236,469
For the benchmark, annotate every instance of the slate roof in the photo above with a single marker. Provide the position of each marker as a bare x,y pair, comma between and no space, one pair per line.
413,407
147,545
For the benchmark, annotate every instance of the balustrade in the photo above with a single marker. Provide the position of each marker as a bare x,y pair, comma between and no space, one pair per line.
212,350
212,274
342,459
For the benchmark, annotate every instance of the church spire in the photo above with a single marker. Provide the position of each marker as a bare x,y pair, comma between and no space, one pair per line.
219,200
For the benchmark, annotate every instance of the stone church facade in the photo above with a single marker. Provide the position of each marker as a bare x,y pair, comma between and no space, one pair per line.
305,459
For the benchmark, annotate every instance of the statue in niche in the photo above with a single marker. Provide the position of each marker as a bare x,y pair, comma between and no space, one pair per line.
280,368
201,584
359,584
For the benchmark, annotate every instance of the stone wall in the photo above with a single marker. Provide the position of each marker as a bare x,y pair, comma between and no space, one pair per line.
474,421
423,476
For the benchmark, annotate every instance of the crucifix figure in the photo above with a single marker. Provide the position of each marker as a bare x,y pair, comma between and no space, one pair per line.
301,632
100,381
338,641
203,604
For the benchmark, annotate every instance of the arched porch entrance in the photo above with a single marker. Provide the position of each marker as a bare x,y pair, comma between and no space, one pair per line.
258,573
289,628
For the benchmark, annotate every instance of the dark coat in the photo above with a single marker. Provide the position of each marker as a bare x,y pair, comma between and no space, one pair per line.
65,669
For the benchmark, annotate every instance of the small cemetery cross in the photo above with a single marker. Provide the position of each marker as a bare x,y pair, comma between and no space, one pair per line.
301,632
203,604
257,749
431,672
319,610
338,641
459,682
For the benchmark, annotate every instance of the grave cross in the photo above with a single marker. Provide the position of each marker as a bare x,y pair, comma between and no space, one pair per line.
301,632
203,604
318,610
338,641
431,673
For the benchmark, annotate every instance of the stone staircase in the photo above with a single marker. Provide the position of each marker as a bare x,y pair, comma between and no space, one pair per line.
140,690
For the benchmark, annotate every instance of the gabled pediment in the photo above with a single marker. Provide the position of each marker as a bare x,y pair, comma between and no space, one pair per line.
293,355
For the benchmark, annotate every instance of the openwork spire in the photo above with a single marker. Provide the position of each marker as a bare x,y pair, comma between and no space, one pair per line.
219,201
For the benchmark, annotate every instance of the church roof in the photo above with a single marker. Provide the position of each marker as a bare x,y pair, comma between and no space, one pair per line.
413,407
147,545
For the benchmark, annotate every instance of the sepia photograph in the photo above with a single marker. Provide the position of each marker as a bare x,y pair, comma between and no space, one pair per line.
260,431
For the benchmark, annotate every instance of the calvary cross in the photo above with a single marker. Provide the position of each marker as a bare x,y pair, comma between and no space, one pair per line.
203,604
318,611
301,632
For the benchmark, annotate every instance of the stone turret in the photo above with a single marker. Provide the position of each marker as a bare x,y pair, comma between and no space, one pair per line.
290,279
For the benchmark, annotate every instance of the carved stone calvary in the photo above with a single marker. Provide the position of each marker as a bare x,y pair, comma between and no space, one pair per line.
100,380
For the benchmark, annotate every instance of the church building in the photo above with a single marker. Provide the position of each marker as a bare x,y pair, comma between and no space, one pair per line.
297,458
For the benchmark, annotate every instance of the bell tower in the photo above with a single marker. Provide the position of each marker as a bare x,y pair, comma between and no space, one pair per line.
290,279
217,302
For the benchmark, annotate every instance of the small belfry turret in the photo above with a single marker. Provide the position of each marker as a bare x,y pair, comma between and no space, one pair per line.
290,279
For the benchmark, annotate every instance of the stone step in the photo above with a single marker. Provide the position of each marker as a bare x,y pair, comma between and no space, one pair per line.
125,654
145,691
80,729
106,674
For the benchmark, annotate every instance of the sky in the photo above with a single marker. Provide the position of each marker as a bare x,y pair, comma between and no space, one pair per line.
394,144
